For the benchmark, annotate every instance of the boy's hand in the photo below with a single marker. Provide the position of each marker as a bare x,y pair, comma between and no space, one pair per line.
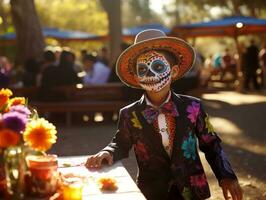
97,160
233,187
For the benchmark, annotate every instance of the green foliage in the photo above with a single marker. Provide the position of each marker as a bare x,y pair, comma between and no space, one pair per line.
138,12
80,15
185,11
5,21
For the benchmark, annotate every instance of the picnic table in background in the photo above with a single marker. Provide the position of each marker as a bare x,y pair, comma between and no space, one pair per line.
127,189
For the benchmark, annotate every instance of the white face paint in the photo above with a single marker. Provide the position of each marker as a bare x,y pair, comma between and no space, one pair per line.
153,71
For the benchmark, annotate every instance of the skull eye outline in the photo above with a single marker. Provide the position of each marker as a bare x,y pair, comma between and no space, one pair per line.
158,66
142,69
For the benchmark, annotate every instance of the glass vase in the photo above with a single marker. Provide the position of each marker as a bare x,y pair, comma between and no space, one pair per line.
15,169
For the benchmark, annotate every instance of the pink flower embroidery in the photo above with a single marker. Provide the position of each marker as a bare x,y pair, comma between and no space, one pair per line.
207,138
198,180
193,111
141,152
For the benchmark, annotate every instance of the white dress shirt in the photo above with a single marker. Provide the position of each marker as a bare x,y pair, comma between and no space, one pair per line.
162,124
98,75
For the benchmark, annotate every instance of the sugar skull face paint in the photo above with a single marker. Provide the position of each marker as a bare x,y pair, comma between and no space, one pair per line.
153,71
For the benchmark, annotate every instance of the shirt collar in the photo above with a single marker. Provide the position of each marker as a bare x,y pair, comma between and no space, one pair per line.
149,103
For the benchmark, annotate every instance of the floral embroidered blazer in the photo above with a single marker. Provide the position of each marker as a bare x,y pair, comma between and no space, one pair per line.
157,170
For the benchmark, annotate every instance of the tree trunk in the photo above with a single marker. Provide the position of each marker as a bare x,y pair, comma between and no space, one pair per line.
113,9
3,16
178,4
236,7
30,41
253,10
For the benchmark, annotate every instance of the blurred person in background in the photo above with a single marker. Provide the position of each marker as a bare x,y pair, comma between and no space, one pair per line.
29,77
5,70
49,61
262,57
76,66
57,51
228,64
83,53
217,61
61,75
103,56
251,67
207,71
96,71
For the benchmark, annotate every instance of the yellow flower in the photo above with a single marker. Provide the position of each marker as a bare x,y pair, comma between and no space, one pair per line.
209,125
4,96
8,138
135,121
40,134
15,101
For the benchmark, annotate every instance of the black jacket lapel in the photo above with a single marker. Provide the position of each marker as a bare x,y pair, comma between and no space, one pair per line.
180,128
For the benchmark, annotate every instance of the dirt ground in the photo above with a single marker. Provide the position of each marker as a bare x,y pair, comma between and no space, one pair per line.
239,119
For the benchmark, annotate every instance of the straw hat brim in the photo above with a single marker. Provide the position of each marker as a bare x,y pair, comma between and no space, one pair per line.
126,63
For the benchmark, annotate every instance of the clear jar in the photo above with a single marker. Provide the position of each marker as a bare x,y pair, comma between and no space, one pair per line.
42,178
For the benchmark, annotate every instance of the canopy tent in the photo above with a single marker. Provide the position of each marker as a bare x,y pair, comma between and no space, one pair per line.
69,35
130,33
228,26
61,35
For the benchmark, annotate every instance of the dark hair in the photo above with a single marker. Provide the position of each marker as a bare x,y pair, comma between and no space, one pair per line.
83,51
31,65
89,57
66,59
49,56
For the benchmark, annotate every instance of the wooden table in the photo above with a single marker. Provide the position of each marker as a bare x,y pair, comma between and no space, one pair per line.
127,189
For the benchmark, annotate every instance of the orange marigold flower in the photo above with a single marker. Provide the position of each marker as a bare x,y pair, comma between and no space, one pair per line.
4,96
15,101
8,138
107,184
40,134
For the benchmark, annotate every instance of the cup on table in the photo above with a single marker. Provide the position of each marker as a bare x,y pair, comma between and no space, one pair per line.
43,176
72,188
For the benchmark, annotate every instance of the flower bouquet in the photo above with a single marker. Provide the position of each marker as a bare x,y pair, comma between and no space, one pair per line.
22,133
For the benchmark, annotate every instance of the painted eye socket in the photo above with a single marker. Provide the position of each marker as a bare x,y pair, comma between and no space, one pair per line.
158,66
142,69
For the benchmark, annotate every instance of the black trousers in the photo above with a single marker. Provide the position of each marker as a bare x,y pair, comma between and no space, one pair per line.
174,194
251,76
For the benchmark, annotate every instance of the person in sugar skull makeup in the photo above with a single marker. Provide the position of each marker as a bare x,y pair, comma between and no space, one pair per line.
164,127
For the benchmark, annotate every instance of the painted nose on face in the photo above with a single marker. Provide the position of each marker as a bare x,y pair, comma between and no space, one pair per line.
150,73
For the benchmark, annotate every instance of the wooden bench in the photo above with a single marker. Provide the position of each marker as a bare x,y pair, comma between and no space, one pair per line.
78,99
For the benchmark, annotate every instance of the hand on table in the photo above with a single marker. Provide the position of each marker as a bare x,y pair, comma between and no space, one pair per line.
232,186
97,160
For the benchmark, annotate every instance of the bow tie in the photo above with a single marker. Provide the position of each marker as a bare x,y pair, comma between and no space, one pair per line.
151,113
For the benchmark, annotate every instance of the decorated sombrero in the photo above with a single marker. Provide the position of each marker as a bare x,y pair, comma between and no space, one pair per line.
148,40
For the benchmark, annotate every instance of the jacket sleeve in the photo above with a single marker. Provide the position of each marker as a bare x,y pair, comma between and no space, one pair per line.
210,144
121,143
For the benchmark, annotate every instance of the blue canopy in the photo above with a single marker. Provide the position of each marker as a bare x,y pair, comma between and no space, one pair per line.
132,32
58,34
228,26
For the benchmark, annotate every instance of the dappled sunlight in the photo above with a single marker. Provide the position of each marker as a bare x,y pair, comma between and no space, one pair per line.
213,105
244,143
225,126
235,98
232,135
